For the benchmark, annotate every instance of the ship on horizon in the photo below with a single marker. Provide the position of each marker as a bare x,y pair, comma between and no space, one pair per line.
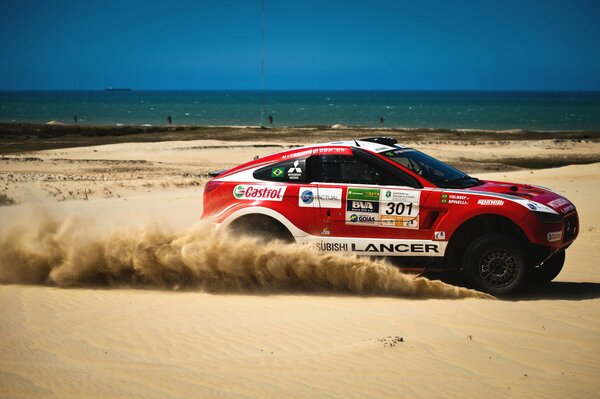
110,88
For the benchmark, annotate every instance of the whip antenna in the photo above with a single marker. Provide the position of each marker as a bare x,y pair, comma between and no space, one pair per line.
262,62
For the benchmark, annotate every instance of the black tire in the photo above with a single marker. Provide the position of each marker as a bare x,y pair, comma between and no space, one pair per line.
495,263
548,270
261,228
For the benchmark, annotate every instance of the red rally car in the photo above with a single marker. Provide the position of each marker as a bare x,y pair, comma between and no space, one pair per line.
374,197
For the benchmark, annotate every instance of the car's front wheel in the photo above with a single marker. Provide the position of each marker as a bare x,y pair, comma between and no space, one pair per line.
495,263
548,270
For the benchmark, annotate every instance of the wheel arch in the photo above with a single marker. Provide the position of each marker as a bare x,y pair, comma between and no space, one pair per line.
265,218
474,227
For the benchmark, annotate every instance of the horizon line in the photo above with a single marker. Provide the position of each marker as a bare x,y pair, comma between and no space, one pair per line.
130,89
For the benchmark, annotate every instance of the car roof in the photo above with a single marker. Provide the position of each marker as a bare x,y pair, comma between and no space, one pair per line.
365,145
334,147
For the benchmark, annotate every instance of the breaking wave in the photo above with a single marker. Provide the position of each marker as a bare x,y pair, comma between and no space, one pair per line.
67,253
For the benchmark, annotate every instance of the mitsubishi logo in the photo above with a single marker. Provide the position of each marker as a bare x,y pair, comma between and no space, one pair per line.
295,168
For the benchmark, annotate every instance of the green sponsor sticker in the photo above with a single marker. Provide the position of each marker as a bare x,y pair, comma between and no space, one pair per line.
277,172
368,194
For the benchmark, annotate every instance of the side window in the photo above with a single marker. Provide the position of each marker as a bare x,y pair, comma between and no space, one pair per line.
356,170
346,169
293,170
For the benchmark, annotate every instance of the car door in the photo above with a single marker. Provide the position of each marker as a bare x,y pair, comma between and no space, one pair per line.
376,202
300,203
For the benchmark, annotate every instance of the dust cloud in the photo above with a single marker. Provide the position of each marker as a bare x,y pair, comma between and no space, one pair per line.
69,253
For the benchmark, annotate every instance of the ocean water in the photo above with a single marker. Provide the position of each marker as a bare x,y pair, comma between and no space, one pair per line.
445,110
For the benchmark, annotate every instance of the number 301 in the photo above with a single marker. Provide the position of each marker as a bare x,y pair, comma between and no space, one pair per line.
398,208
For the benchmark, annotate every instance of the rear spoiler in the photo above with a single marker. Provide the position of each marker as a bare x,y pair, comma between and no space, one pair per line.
216,173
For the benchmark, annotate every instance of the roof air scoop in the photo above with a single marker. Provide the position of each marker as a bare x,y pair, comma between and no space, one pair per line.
381,140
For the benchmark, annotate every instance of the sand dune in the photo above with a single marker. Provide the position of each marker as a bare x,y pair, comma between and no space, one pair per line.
331,339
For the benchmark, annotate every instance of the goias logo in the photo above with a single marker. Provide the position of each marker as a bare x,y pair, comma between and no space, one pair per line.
256,192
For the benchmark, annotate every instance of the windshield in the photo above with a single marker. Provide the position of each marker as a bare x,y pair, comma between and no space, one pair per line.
431,169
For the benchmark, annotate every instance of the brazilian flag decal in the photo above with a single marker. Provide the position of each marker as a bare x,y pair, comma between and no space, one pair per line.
277,172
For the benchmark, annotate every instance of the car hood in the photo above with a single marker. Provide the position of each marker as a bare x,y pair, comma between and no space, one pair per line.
529,193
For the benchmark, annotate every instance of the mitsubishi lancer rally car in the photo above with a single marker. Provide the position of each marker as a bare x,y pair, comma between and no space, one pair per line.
374,197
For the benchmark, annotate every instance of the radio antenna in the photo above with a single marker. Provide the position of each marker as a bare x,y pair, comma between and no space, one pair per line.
262,62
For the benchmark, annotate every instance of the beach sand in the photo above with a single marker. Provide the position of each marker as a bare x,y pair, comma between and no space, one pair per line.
304,338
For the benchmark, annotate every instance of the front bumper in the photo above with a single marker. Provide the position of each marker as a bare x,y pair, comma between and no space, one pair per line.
554,235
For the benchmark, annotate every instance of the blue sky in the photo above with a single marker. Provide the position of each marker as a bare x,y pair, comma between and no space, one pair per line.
310,44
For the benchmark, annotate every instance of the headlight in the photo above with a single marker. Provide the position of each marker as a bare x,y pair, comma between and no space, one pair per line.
548,218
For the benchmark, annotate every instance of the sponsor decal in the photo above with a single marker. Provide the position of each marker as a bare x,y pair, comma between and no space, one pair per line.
454,199
307,197
378,247
239,191
562,203
399,209
330,197
426,248
532,206
362,206
333,150
395,248
568,208
259,192
388,208
554,236
490,202
331,247
380,149
321,197
299,154
557,203
326,231
278,172
295,172
399,222
439,235
367,194
362,218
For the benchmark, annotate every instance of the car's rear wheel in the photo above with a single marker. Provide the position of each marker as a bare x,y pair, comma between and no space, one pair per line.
548,270
495,263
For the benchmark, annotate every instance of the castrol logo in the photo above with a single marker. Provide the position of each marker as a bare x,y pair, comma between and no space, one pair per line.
259,192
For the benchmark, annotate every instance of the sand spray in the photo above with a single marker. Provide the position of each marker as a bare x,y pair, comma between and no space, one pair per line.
68,253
